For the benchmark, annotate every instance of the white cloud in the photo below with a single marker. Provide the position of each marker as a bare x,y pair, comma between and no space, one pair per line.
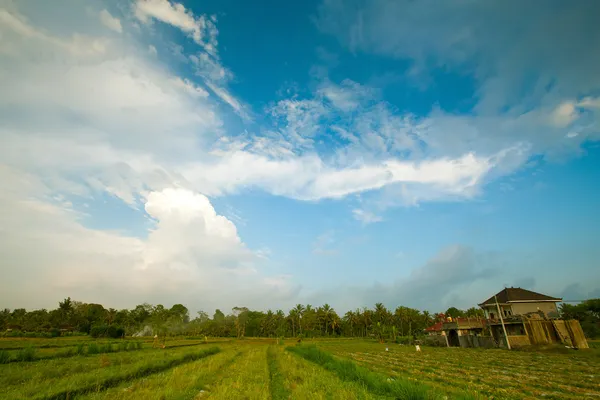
190,255
202,29
366,217
152,50
225,96
564,114
110,22
347,96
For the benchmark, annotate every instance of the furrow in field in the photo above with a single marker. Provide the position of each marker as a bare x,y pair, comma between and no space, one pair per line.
306,380
510,378
188,381
247,378
108,375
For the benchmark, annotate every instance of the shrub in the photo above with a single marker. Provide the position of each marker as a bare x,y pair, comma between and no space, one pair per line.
98,331
93,348
26,354
4,357
111,331
106,348
403,339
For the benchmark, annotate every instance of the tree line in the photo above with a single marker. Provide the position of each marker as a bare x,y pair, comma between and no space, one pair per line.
72,317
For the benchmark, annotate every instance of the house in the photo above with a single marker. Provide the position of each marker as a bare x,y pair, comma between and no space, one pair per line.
517,301
527,318
466,332
435,329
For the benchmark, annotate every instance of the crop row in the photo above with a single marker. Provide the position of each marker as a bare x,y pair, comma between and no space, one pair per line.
100,373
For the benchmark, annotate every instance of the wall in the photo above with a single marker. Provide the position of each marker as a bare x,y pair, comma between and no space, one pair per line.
476,341
524,308
493,309
520,340
576,333
541,332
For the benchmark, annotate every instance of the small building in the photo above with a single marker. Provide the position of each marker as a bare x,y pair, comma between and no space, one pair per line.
467,332
518,301
435,329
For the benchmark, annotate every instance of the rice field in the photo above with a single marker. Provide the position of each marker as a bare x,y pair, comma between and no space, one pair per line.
264,369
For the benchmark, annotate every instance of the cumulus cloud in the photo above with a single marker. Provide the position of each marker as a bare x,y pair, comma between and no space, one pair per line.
191,253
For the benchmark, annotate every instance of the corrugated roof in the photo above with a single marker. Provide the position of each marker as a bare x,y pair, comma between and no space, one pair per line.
518,294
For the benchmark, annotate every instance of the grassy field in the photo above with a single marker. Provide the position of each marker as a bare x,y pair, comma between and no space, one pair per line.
324,369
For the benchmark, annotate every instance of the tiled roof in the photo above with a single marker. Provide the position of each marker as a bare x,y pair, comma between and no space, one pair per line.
434,328
518,294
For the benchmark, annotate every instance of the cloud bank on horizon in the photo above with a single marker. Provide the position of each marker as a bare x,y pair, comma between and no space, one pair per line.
115,109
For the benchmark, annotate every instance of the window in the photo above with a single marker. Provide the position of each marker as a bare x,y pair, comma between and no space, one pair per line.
507,313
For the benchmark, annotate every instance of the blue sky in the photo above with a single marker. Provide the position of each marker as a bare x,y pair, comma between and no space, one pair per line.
227,153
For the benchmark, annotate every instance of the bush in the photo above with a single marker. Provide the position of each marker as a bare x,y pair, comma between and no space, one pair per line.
106,348
4,357
26,354
93,348
111,331
98,331
403,339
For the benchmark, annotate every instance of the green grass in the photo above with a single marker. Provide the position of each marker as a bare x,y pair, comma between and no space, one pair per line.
307,380
105,377
247,378
276,379
502,374
186,381
376,383
262,369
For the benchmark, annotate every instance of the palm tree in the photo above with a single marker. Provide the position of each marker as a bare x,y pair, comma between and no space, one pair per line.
293,317
367,319
300,312
349,319
327,310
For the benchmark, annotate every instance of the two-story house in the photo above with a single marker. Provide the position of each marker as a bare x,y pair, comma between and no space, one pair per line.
516,301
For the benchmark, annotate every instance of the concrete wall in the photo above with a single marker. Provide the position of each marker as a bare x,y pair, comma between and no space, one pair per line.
524,308
476,341
435,340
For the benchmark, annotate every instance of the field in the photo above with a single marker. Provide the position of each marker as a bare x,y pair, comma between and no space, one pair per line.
264,369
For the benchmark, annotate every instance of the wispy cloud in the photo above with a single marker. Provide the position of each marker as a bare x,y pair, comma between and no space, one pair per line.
366,217
110,22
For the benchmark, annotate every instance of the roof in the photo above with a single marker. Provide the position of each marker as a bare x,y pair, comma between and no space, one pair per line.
435,328
508,295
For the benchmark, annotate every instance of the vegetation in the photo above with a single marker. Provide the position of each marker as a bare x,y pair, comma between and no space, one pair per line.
376,383
318,369
460,372
588,314
303,321
105,373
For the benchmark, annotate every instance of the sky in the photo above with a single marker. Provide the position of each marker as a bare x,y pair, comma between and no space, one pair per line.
263,154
